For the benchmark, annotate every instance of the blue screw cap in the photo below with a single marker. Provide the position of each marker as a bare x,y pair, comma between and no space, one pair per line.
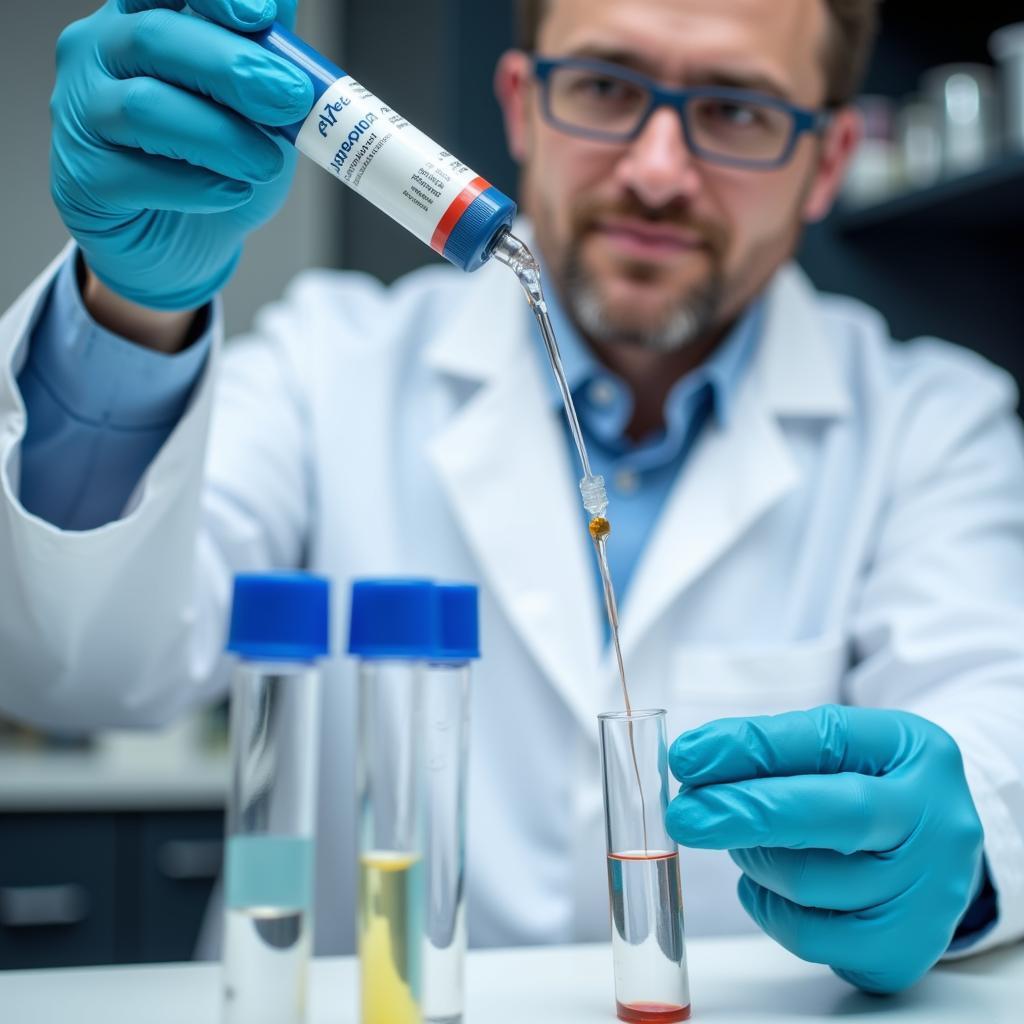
460,622
469,245
413,619
393,618
280,617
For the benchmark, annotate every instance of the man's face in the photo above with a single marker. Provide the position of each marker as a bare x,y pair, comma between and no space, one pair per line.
648,244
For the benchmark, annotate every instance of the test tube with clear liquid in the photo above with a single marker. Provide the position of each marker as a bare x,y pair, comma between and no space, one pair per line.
445,735
279,629
644,890
445,739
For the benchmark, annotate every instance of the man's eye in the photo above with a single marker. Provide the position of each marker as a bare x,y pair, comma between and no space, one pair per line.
736,115
603,88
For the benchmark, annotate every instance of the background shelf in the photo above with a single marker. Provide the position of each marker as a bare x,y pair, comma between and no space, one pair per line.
991,199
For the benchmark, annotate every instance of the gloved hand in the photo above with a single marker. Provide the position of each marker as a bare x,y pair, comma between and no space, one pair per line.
857,835
156,168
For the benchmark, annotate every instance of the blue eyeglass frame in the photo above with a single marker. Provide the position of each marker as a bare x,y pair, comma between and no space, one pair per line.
803,119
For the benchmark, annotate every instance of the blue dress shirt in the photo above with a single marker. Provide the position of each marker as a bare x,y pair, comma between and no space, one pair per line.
640,475
99,409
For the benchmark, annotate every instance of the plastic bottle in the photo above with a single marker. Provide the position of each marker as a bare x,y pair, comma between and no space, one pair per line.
362,141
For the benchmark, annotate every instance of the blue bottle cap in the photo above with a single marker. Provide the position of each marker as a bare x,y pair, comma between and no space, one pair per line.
281,616
472,238
393,618
460,625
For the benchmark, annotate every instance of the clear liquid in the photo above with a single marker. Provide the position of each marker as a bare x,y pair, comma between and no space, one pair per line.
266,960
391,937
647,936
514,253
444,734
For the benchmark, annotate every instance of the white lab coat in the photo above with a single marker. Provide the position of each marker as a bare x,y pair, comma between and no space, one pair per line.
855,534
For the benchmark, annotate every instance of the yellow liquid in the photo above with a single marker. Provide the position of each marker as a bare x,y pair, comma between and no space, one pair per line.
390,937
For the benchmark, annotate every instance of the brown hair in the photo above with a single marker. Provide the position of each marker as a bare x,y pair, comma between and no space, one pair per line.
852,30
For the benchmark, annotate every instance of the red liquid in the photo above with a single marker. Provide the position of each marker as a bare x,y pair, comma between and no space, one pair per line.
632,872
651,1013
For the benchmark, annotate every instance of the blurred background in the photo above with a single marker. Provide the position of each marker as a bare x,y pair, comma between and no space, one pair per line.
109,845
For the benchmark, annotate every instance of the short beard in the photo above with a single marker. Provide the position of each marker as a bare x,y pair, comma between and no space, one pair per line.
689,320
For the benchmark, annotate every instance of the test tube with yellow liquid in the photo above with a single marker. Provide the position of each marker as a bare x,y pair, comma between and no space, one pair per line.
393,632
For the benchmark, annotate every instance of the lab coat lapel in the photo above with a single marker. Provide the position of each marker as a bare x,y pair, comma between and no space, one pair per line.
504,465
736,475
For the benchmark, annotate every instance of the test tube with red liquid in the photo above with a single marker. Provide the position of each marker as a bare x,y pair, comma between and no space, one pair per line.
644,891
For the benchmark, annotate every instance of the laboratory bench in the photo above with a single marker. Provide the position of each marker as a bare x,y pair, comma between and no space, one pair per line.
108,854
746,980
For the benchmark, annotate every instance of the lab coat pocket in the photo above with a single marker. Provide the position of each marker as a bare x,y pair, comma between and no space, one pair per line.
719,682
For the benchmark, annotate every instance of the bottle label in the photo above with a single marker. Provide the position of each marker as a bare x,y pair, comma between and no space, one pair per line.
374,150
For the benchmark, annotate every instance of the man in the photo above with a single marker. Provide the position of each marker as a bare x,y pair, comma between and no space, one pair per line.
804,513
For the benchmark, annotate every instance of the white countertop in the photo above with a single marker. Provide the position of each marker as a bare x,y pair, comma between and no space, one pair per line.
127,771
746,980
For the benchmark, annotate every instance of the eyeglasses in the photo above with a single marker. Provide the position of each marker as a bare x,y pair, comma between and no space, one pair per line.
609,103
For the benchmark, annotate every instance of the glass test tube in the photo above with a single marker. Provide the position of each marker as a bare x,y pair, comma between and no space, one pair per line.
393,632
279,628
644,892
446,737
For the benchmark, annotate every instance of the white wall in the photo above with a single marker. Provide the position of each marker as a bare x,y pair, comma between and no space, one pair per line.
30,230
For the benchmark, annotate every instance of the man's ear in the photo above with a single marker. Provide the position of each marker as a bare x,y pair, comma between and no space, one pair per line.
842,137
513,85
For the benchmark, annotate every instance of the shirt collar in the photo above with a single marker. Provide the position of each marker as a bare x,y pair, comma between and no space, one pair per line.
727,365
723,371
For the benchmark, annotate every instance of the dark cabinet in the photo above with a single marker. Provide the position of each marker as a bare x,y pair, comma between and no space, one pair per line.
181,860
58,884
87,889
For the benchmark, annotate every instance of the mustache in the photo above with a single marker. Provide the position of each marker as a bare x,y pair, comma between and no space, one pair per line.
589,216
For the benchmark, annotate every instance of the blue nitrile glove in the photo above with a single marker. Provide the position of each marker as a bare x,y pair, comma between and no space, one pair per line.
856,832
155,166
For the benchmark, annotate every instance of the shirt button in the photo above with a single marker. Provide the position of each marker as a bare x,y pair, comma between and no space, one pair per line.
627,481
601,393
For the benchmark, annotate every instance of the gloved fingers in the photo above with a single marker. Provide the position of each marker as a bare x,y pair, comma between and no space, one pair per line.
854,945
825,879
285,13
823,740
134,181
211,61
243,15
162,120
847,812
